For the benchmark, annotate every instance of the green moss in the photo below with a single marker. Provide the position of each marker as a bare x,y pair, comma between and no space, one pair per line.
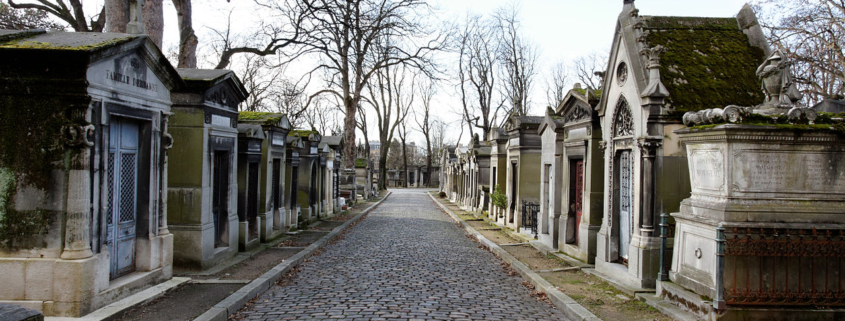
260,117
302,133
25,44
18,226
708,62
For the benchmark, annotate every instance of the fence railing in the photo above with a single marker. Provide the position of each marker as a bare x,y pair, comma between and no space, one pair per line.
529,216
780,266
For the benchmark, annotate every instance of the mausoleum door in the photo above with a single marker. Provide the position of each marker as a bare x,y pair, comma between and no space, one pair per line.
122,196
578,195
220,201
626,185
276,195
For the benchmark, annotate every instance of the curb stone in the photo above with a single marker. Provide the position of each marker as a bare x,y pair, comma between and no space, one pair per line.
237,300
567,305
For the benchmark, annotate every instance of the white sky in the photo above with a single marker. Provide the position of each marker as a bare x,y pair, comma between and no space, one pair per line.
562,29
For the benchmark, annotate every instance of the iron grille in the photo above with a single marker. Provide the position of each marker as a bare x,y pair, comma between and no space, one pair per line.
529,216
127,188
110,200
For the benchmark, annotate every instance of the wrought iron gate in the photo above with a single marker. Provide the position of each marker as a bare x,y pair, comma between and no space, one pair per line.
529,216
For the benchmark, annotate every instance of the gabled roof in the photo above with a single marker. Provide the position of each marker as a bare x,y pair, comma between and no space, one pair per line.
218,86
523,122
21,48
707,62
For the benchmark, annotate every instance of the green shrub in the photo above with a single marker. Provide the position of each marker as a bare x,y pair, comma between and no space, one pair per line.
499,198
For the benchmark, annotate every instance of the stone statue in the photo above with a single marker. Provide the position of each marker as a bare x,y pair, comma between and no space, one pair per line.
776,75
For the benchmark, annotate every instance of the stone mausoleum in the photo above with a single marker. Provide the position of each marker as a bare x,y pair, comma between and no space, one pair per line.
83,175
202,184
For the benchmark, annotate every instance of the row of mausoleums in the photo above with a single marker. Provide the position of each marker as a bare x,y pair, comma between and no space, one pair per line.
748,216
114,167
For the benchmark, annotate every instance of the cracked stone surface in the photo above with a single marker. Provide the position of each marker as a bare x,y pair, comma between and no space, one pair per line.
406,261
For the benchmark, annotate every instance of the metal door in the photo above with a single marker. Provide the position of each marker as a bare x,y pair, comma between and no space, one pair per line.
579,195
276,195
626,186
122,197
220,199
550,198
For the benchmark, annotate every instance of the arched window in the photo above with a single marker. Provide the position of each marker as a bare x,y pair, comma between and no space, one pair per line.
623,121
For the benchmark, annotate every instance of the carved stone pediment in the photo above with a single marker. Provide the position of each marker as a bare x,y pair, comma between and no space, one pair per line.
623,120
577,113
222,96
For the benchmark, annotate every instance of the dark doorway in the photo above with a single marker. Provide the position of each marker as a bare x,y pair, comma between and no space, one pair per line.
220,198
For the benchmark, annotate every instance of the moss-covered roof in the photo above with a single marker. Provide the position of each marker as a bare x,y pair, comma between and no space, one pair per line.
708,62
81,41
260,117
302,133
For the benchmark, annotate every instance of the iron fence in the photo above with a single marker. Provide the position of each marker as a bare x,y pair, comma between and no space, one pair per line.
780,266
529,216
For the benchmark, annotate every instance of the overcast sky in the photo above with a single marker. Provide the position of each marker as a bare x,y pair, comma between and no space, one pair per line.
562,29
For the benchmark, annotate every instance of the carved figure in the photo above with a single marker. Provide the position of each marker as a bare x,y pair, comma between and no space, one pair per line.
776,75
135,25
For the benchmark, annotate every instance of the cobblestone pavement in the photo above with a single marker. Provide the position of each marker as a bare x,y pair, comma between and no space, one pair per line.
406,261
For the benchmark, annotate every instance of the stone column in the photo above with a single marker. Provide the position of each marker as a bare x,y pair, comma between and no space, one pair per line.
78,206
648,149
166,144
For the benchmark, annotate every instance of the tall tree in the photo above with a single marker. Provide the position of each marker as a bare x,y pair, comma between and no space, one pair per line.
518,57
556,84
810,32
391,105
424,121
589,69
478,47
344,34
403,138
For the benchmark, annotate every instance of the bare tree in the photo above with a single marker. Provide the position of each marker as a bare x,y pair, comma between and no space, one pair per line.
403,139
70,12
263,82
810,32
424,121
391,104
589,69
478,48
518,57
557,84
344,35
23,19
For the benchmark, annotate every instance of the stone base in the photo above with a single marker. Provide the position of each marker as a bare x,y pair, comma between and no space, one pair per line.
703,309
245,241
643,263
73,288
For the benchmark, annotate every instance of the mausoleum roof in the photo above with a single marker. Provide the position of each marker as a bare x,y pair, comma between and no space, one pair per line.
708,62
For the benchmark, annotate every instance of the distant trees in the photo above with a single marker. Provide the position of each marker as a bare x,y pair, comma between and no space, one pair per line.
496,68
812,33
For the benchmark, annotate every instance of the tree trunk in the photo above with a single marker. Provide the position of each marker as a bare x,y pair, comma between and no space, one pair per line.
428,161
117,15
349,135
382,166
405,161
187,38
154,21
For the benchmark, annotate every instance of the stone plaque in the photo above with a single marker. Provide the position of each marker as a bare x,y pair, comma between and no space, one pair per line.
514,141
218,120
785,171
577,133
128,74
278,139
708,171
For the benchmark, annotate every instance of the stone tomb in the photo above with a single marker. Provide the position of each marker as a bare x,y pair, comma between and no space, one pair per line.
202,181
272,208
309,175
83,174
250,139
572,182
778,198
498,140
293,146
334,160
523,175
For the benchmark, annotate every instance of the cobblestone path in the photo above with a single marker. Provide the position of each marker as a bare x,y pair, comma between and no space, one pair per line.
406,261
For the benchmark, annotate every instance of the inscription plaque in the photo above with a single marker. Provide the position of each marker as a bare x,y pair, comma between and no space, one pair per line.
708,171
789,171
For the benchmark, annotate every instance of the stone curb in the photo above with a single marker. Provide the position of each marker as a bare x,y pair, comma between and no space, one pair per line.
567,305
235,301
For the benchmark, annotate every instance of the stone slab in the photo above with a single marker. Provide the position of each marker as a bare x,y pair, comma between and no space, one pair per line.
12,312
